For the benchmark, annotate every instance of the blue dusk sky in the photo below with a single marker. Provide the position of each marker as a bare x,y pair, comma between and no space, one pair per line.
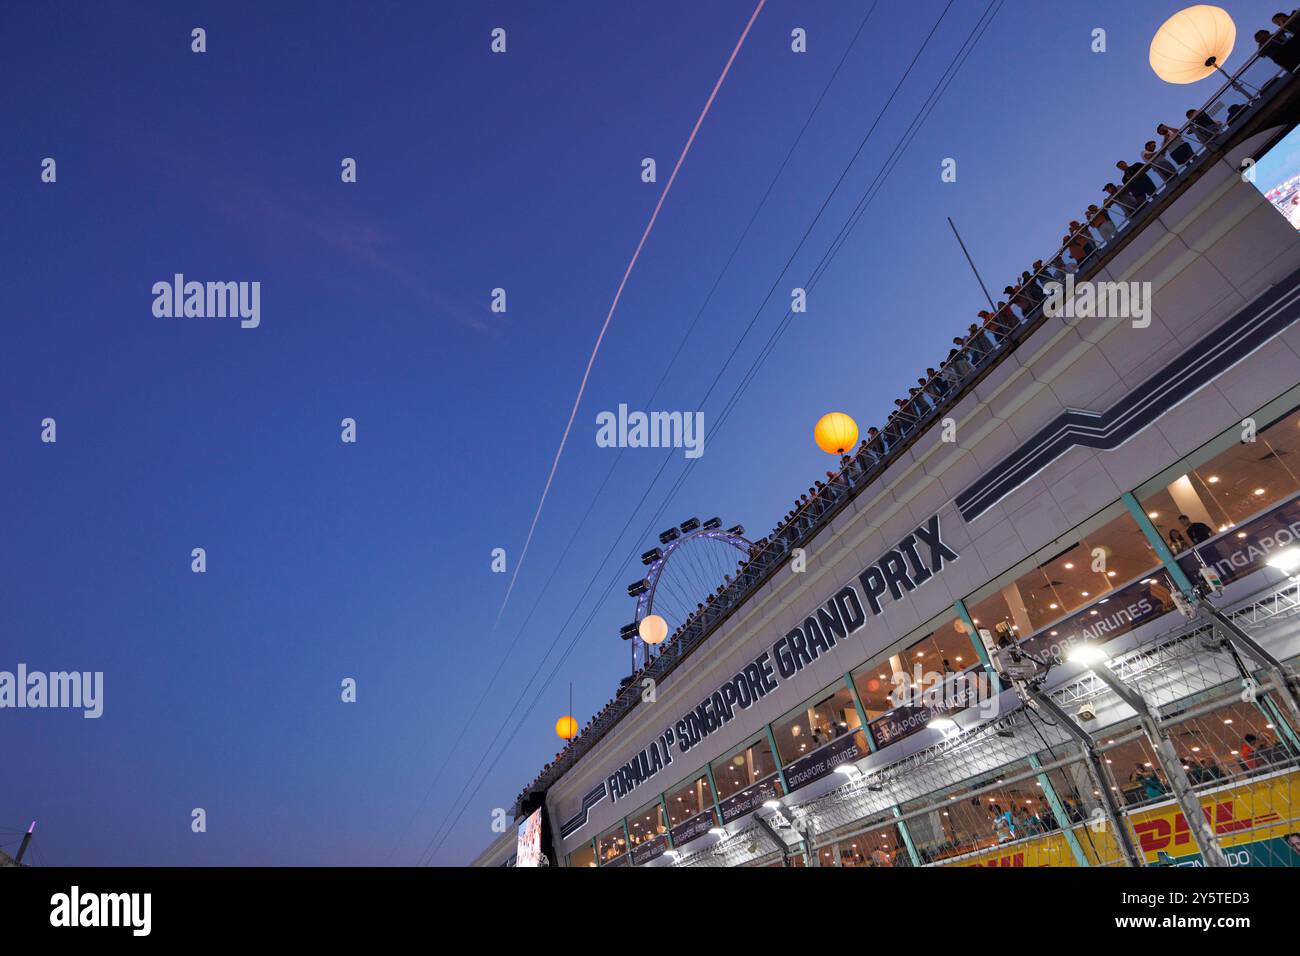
476,171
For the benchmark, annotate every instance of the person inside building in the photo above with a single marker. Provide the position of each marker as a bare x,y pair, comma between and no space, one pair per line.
1147,779
1250,752
1197,531
1025,823
1004,828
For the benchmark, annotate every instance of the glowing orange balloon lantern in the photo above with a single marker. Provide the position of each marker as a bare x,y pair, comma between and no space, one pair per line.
835,433
653,629
567,728
1191,44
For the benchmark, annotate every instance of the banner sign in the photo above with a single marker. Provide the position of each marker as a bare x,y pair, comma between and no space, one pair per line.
1254,823
649,850
1251,813
696,826
1116,614
958,691
905,567
1247,548
820,762
1050,850
751,798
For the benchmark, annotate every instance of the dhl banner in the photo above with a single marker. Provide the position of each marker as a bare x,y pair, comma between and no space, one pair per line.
1050,850
1252,820
1257,823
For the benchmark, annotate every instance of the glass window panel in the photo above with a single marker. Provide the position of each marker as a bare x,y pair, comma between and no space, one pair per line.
585,855
689,800
1235,741
880,846
1072,578
829,715
611,844
1135,775
744,767
965,823
646,824
1216,497
923,678
947,649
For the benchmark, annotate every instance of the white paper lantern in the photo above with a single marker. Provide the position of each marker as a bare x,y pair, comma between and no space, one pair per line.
1190,44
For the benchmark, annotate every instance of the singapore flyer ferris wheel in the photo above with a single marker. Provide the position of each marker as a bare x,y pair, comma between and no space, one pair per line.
692,562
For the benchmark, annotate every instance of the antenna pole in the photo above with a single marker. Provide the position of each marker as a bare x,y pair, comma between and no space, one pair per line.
971,262
27,839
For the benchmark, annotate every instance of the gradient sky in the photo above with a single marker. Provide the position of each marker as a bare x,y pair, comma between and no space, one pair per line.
522,171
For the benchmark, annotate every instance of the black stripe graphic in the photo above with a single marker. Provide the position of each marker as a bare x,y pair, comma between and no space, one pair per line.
1219,350
579,819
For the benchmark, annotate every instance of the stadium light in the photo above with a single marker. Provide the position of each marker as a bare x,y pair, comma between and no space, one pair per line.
1086,654
945,725
1287,560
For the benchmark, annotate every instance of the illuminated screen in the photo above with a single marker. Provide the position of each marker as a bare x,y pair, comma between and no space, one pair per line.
1277,176
528,850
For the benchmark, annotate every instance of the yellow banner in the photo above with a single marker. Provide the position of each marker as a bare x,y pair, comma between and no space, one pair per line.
1247,813
1251,812
1049,850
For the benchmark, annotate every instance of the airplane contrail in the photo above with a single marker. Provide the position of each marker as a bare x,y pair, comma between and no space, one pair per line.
614,305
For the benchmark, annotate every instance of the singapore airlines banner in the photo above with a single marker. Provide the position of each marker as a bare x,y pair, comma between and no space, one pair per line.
909,564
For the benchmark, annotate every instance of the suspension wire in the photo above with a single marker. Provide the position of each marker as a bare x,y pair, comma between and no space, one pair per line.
968,46
1074,788
487,689
662,379
762,357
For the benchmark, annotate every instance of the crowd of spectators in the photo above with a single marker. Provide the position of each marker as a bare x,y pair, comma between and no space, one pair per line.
1163,160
